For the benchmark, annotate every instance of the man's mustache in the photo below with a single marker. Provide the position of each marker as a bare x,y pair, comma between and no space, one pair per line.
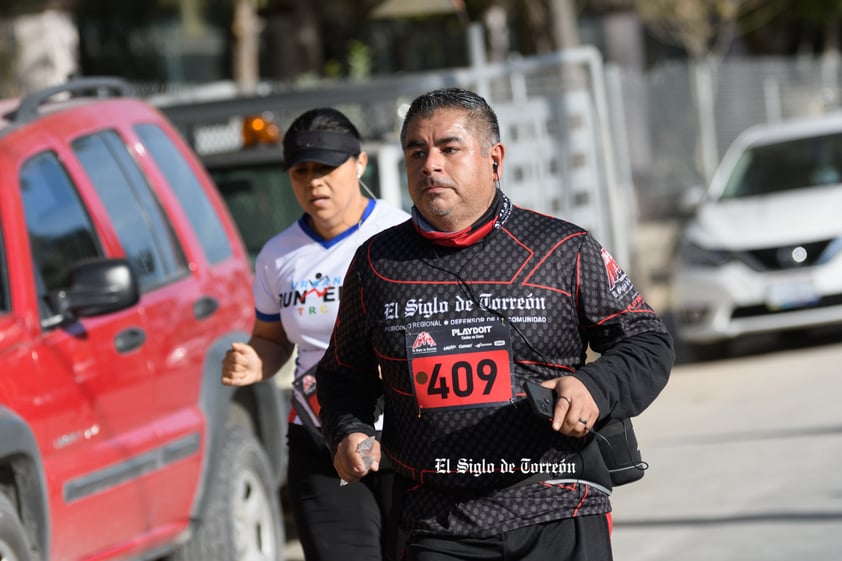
434,182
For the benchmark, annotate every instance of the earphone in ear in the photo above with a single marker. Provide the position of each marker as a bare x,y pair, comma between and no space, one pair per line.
494,166
359,170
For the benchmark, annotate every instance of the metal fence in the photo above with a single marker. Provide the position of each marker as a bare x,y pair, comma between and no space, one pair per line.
674,125
553,114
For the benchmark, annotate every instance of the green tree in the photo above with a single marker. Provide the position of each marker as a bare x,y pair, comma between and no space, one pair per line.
826,15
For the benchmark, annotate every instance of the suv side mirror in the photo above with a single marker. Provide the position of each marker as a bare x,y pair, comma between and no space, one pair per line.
96,287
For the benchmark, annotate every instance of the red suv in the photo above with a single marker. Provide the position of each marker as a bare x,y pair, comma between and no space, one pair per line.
123,280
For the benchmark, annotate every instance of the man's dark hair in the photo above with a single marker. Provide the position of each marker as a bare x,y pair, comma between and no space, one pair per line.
479,112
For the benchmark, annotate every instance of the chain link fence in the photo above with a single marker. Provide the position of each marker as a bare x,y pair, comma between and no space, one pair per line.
666,129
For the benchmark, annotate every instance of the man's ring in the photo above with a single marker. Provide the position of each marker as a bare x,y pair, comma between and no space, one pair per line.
565,398
584,422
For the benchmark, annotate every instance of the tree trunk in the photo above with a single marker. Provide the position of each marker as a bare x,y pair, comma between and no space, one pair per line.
565,33
191,17
246,29
47,45
496,19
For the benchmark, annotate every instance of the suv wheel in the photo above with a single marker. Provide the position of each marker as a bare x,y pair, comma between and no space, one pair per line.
242,516
13,543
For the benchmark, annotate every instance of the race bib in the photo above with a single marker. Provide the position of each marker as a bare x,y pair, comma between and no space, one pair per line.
460,366
306,402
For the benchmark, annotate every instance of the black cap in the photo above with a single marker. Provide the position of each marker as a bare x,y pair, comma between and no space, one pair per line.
330,148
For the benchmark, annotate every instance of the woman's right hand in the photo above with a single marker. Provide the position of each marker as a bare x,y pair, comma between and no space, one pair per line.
241,366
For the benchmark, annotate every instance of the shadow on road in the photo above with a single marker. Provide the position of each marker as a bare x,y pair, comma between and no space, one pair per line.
752,345
752,436
775,517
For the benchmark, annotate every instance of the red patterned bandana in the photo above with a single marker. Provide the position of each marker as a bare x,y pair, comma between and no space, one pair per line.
492,219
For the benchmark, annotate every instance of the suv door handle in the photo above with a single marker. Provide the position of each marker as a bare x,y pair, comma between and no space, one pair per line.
129,339
204,307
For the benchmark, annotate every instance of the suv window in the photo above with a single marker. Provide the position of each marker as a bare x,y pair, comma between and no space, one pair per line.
188,189
60,230
143,230
261,200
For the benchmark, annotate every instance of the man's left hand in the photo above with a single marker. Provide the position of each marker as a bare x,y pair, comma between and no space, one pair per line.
575,410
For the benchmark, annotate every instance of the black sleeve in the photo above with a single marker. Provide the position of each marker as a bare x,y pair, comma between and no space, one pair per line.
635,349
347,378
628,377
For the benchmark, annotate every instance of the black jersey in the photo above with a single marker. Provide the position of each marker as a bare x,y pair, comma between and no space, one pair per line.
448,335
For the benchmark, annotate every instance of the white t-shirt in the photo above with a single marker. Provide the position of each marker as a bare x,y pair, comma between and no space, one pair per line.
299,275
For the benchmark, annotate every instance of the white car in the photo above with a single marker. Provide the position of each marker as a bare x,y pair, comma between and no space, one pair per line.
763,250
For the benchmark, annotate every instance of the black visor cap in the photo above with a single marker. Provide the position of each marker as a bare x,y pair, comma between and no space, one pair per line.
323,147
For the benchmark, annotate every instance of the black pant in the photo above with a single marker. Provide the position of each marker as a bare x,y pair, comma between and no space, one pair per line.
586,538
338,523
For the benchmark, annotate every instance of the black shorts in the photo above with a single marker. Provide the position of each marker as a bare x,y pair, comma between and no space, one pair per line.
584,538
333,522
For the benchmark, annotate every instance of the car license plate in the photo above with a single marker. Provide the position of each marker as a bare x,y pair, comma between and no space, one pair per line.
788,295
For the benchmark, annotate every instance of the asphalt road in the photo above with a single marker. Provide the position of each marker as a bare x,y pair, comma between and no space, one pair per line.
744,462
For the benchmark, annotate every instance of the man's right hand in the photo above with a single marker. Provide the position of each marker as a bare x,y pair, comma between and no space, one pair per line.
241,366
349,462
